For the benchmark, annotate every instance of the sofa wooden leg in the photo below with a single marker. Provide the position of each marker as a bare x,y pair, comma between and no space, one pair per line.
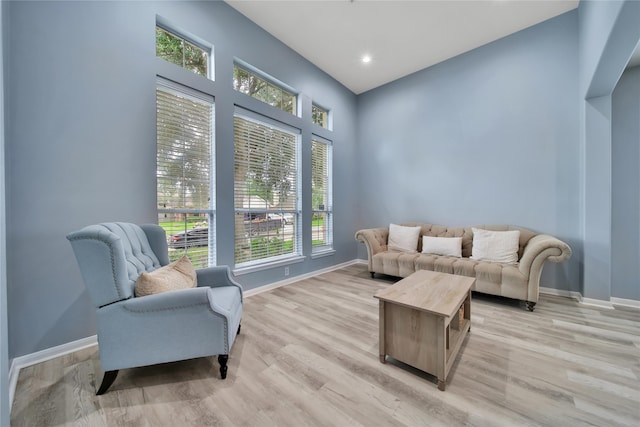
107,380
372,274
530,305
222,360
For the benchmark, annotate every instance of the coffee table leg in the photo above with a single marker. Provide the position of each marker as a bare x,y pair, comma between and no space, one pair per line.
442,340
383,355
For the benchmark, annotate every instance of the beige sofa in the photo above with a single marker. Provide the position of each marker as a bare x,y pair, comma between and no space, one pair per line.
519,281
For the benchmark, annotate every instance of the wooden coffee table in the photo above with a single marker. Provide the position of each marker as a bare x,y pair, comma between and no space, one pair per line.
424,319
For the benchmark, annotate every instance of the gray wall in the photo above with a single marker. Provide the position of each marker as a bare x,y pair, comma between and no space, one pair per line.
597,21
4,339
609,32
625,257
488,137
81,142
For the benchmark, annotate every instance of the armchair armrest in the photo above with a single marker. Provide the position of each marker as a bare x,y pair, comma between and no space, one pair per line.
375,240
214,277
181,299
538,250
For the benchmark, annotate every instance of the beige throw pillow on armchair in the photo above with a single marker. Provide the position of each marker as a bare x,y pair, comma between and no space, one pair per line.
179,274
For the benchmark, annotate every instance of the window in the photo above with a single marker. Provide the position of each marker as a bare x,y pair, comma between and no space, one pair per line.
267,194
322,222
185,171
181,52
256,87
320,116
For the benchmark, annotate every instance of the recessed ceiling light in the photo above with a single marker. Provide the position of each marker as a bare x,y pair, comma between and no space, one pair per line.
366,59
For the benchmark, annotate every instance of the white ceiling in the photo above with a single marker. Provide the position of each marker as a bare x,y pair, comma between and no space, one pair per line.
400,36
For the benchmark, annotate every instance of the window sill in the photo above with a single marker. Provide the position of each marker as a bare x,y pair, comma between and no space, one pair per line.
323,253
267,265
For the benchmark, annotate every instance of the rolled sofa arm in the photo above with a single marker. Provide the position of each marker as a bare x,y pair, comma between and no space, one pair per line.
375,240
538,250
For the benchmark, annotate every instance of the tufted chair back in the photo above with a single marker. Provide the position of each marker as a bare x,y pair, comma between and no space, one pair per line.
111,256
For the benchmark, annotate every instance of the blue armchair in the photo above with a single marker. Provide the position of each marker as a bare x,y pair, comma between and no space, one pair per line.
165,327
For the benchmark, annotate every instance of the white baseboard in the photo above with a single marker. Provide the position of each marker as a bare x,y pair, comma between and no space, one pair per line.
597,303
561,293
625,302
294,279
613,301
42,356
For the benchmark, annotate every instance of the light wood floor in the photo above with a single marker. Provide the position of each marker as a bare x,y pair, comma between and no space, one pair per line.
308,355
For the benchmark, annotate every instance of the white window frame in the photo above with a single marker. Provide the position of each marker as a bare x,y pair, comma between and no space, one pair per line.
272,81
327,248
296,255
195,41
326,111
187,92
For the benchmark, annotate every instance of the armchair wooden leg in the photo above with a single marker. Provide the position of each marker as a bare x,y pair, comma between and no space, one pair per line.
530,305
372,274
239,326
107,380
222,360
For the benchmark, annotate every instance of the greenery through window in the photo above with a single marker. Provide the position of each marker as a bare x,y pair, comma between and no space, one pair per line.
320,116
256,87
322,222
184,131
266,192
181,52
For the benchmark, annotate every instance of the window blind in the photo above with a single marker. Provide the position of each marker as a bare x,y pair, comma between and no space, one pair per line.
322,222
184,171
266,191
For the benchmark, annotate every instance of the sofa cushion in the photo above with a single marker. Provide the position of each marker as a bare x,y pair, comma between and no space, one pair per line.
179,274
489,272
399,264
447,246
403,238
465,267
501,279
444,264
495,246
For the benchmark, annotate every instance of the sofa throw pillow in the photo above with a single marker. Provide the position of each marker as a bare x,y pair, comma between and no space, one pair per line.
179,274
446,246
495,246
402,238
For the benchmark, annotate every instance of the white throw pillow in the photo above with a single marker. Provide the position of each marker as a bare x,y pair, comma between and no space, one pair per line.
447,246
403,238
495,246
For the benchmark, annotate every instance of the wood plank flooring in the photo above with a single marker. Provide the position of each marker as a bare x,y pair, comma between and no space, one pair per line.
308,356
